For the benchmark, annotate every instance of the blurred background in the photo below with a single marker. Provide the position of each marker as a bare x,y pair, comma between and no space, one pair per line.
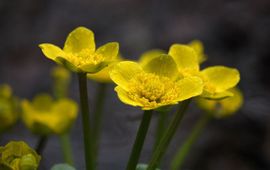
235,34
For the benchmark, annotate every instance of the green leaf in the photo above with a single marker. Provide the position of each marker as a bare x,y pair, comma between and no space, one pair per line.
62,167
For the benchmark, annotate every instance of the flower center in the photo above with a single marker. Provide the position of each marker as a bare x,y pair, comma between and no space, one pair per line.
152,90
85,56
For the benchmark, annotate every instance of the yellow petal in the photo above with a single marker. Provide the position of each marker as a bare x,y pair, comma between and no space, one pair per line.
42,102
68,65
93,68
220,78
198,47
102,76
162,65
51,51
222,108
123,96
123,71
232,104
216,96
109,51
185,58
189,87
78,39
149,55
67,111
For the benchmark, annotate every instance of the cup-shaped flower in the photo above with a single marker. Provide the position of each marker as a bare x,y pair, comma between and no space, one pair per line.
217,80
197,45
79,53
17,155
44,116
9,111
103,75
224,107
154,85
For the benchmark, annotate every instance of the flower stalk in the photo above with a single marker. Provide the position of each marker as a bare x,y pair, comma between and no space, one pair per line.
41,144
66,148
87,132
181,154
168,135
139,141
161,127
98,114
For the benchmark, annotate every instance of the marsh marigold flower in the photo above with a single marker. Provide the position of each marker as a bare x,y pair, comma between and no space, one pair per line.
9,111
17,155
44,116
224,107
153,85
217,80
80,54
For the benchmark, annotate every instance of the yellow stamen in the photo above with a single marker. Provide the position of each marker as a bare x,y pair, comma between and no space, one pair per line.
85,56
152,90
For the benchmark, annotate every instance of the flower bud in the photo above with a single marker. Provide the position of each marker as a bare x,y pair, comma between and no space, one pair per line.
17,155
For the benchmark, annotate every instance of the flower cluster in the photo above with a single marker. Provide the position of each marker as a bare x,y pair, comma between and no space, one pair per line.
158,79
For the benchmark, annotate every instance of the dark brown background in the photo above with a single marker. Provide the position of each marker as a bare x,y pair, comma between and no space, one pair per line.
235,33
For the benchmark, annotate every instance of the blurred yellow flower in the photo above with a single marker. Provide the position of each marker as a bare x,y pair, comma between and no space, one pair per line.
153,85
79,53
9,111
103,75
217,79
224,107
17,155
197,45
44,116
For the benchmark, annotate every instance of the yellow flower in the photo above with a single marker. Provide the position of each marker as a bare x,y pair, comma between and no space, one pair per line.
103,75
197,45
154,85
44,116
224,107
217,79
9,111
17,155
79,53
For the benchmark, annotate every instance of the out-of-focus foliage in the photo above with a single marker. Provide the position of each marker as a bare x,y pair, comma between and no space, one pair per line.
9,110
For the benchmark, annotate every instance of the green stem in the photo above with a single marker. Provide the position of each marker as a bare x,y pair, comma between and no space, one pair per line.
100,99
165,141
87,132
66,148
161,127
181,154
41,144
137,146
